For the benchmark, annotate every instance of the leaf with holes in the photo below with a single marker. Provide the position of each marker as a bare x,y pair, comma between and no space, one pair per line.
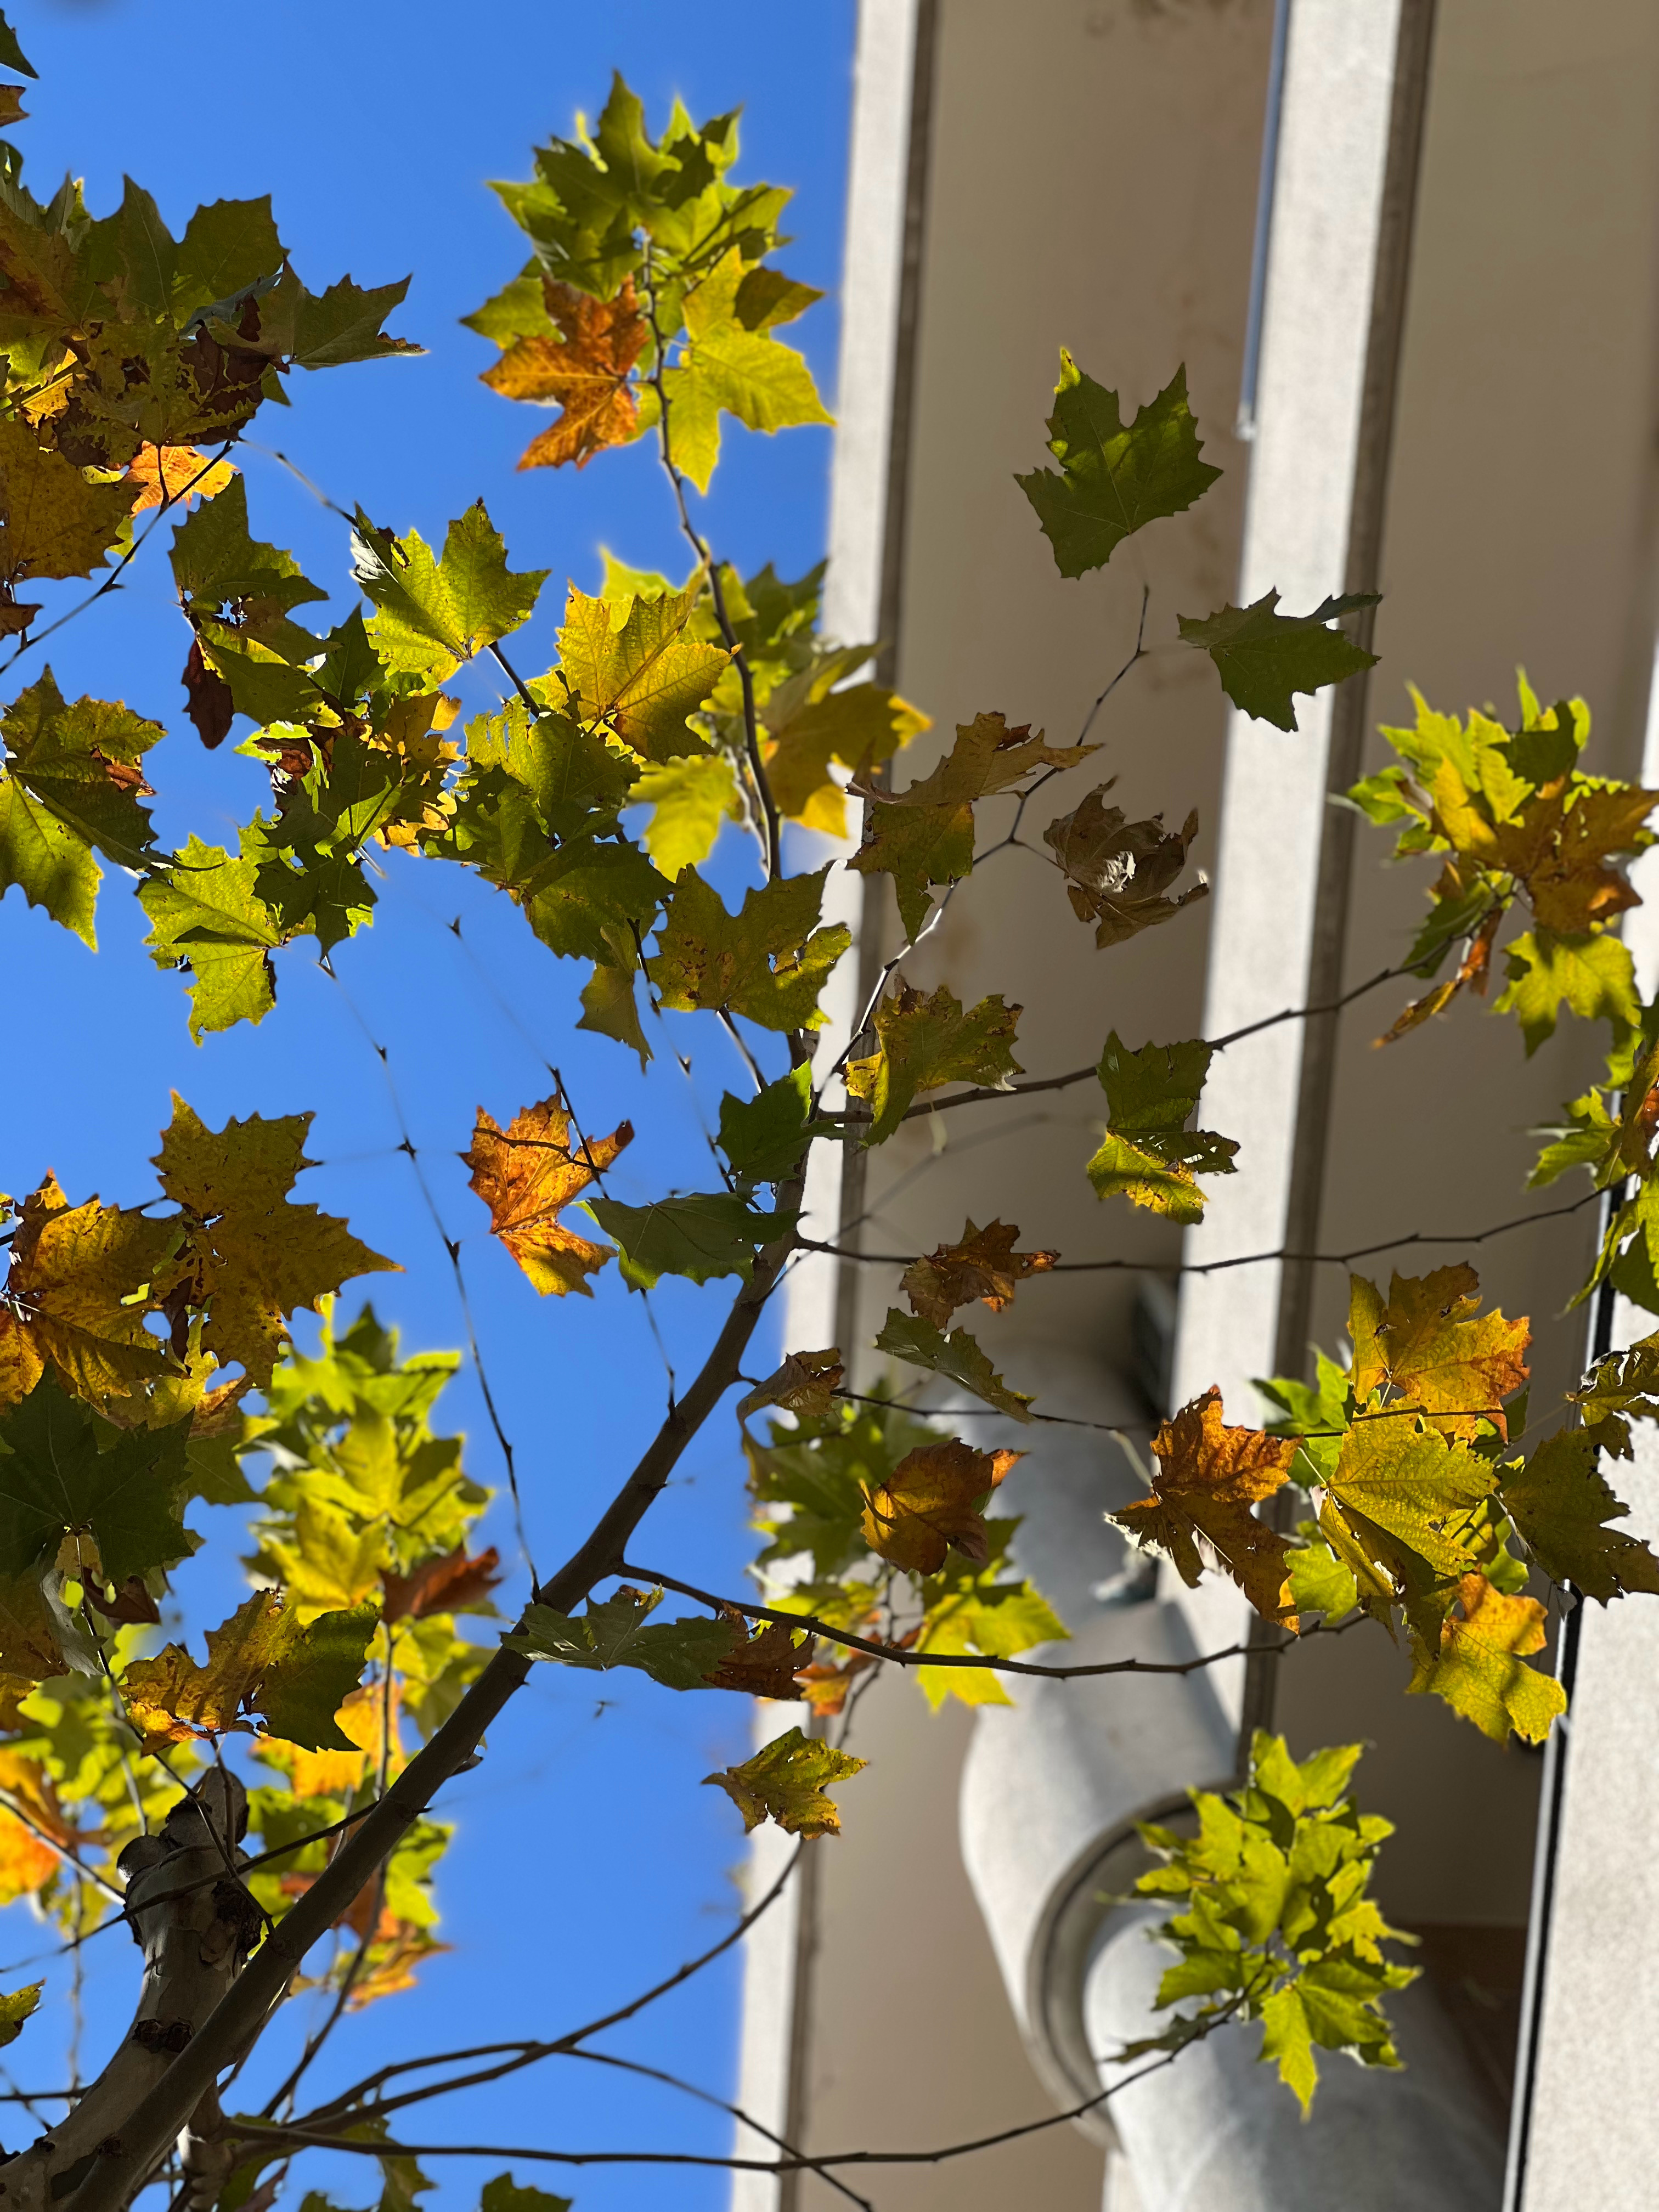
785,1782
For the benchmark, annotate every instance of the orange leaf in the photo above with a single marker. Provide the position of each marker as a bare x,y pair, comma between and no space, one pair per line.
453,1583
525,1174
930,1503
1426,1343
178,471
983,1265
1209,1476
586,375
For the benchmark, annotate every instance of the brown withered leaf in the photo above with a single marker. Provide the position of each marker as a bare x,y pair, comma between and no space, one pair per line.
525,1174
1118,872
453,1583
207,700
806,1384
132,1606
982,1265
1208,1478
930,1505
765,1665
175,472
1425,1342
586,376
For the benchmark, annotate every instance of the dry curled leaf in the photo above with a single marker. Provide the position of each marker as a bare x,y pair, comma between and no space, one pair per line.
525,1175
1208,1478
453,1583
1118,872
930,1505
981,1265
806,1384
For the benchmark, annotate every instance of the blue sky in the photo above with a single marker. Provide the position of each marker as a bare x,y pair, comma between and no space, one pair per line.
588,1860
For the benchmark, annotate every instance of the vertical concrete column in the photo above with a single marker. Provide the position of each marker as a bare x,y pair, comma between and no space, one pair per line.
1323,391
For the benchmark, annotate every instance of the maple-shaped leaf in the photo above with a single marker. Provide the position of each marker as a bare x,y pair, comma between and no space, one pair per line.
174,473
54,1479
690,797
528,1171
710,1233
207,915
77,1281
1560,1506
1477,1667
72,781
765,1137
435,614
1623,1386
1115,477
769,961
809,725
968,1607
627,663
1429,1342
806,1384
259,1660
219,567
786,1782
1320,1582
932,1504
1593,977
451,1583
810,1483
765,1664
958,1356
17,2005
585,371
924,835
250,1255
1400,1505
730,364
1118,872
981,1265
1208,1478
926,1041
1264,657
53,520
618,1631
1148,1154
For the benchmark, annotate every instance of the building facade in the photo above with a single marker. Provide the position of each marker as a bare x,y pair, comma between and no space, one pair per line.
1409,254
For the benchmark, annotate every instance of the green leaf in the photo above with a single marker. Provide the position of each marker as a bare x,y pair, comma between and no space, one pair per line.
1113,479
618,1631
11,56
729,366
518,310
301,1693
503,2194
433,615
216,562
54,1478
1320,1582
1413,1493
631,664
207,916
785,1782
1623,1386
1560,1504
967,1608
344,325
81,762
51,865
610,1009
769,962
763,1138
1264,657
957,1356
1593,977
928,1042
589,900
1149,1156
690,797
715,1233
227,247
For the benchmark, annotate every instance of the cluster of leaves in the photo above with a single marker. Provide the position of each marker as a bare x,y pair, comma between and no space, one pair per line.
1518,822
1275,1923
1412,1458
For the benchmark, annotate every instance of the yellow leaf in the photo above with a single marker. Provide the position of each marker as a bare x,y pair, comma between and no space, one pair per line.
250,1255
785,1782
526,1174
75,1283
1208,1478
626,665
859,726
1477,1668
55,523
171,1699
926,1042
689,798
1426,1343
